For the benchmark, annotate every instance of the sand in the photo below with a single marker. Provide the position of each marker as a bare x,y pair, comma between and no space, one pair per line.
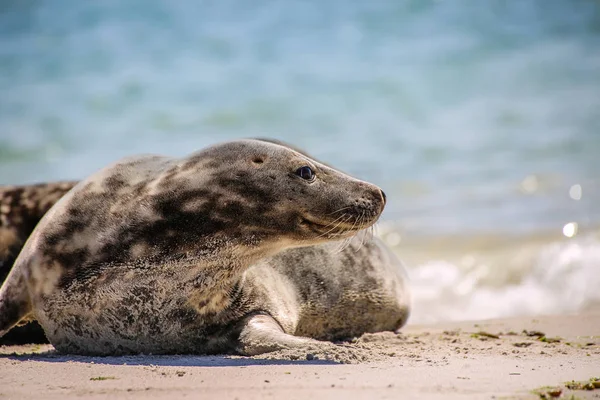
507,358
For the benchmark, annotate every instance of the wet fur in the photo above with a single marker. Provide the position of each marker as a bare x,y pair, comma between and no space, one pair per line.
181,271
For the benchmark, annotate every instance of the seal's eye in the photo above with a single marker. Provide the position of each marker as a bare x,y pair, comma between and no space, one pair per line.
305,173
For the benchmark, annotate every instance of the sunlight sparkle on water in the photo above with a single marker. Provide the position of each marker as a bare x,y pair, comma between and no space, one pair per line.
570,229
575,192
393,239
530,184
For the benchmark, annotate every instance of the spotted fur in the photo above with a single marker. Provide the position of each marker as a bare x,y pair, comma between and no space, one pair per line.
161,255
21,208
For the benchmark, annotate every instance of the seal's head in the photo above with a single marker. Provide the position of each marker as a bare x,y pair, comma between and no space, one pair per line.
272,192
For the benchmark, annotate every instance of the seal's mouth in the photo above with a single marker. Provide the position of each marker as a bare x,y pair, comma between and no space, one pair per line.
343,225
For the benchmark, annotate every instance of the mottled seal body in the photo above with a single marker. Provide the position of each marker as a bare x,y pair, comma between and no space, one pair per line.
327,293
21,208
160,255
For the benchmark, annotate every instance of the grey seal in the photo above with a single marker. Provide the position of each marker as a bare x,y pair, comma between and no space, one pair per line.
227,250
21,208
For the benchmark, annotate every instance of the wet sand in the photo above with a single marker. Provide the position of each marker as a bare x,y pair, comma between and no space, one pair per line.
506,358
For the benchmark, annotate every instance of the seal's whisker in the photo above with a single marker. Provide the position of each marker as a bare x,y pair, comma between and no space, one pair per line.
347,241
336,226
371,232
363,233
342,245
331,223
354,224
341,209
357,221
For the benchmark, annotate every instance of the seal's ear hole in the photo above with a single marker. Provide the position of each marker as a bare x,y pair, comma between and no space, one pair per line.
258,160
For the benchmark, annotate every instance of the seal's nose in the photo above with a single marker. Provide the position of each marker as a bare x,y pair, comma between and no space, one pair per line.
383,196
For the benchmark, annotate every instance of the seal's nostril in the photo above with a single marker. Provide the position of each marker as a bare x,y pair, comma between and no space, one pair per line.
383,196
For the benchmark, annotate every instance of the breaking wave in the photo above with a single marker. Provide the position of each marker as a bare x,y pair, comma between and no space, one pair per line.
498,277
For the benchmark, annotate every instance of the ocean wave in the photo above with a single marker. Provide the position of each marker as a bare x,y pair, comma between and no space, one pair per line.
504,277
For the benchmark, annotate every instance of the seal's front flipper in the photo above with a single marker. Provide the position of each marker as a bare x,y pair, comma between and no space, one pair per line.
262,334
15,304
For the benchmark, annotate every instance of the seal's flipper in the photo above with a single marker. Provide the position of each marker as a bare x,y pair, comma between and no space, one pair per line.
15,304
262,334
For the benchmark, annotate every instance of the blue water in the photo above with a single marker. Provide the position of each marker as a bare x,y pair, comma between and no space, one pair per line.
448,105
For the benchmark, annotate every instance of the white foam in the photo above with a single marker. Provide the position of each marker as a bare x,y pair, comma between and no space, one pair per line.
563,278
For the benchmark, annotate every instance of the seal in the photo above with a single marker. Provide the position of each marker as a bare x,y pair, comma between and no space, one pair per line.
21,208
160,255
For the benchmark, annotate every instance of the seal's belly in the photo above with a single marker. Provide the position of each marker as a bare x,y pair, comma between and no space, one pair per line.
146,312
345,293
351,315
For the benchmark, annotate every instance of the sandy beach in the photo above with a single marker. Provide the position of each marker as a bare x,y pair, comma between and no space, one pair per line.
509,358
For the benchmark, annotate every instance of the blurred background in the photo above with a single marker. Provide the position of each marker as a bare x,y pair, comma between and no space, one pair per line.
481,120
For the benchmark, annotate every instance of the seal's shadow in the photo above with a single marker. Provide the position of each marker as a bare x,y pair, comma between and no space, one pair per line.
163,361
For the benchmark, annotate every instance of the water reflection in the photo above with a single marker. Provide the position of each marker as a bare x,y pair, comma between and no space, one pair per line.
570,229
575,192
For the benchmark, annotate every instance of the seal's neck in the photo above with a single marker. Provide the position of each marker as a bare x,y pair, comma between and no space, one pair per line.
212,278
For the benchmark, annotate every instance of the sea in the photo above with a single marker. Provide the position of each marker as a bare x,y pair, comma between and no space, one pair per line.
479,119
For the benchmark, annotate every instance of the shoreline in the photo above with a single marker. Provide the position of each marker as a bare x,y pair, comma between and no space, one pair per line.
455,360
